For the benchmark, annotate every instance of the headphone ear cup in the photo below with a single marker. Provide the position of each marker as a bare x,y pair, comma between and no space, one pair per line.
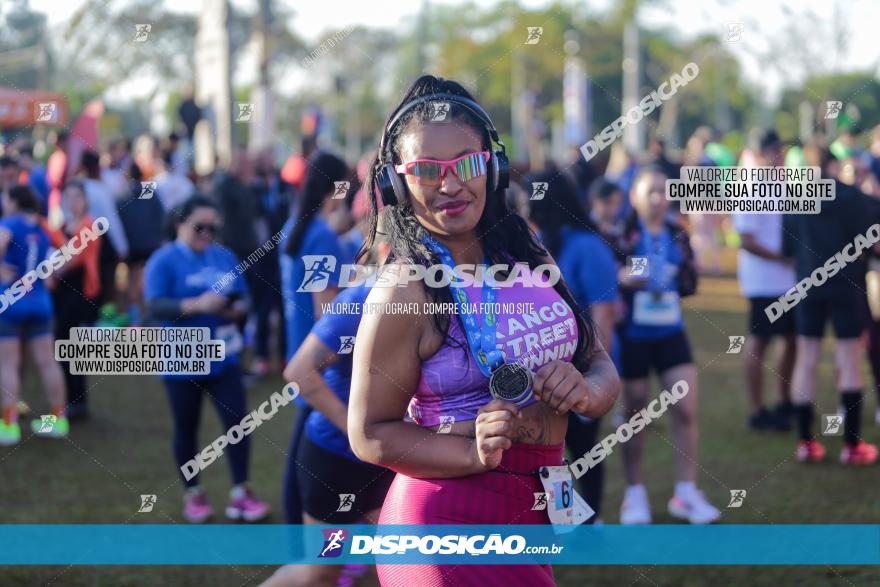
501,170
391,187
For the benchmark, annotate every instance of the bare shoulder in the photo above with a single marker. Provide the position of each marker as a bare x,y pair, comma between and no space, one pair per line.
395,312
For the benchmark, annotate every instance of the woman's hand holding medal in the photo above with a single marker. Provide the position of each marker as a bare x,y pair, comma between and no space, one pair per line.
493,431
561,386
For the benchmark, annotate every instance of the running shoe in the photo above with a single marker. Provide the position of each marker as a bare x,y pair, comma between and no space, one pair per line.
59,429
862,453
196,508
782,415
243,505
762,420
693,507
635,508
10,434
810,451
260,367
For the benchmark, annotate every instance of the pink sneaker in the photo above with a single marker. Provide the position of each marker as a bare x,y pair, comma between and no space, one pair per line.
243,505
196,508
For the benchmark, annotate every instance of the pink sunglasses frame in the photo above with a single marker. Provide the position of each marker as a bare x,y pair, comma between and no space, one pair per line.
444,165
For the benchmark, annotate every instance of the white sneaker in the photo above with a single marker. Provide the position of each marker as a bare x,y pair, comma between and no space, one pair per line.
635,508
693,507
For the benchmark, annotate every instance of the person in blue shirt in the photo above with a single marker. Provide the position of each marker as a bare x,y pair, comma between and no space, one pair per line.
310,262
339,488
179,283
659,271
590,270
26,315
36,175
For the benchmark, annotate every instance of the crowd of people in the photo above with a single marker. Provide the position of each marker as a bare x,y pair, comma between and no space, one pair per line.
406,423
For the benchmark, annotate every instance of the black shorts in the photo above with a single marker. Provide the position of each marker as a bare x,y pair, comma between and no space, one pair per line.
760,325
846,310
323,476
640,355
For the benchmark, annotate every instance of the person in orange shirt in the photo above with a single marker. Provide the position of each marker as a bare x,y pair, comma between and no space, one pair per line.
76,292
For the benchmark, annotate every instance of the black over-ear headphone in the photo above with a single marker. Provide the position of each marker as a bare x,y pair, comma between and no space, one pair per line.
390,183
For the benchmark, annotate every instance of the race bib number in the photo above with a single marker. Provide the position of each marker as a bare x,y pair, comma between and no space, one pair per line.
231,338
565,508
650,309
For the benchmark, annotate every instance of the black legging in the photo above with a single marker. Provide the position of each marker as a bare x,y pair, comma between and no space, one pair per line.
228,394
580,439
292,499
72,309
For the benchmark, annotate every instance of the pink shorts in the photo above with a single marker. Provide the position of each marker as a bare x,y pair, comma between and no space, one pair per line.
502,496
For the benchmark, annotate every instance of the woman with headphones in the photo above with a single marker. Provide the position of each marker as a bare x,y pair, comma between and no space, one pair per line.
469,408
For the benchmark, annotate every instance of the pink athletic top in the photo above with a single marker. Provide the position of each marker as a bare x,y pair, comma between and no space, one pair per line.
535,325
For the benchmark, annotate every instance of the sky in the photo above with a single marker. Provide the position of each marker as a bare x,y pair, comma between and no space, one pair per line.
762,20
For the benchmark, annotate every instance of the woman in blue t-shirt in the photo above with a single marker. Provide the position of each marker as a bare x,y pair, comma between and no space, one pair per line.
588,267
179,282
26,315
311,257
659,271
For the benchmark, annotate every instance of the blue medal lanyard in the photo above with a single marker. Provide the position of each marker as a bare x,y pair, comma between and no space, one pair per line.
657,256
480,339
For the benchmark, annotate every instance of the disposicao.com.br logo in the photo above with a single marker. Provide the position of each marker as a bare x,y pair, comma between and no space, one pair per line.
450,544
320,268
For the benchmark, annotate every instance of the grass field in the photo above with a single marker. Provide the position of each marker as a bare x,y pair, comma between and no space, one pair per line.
124,450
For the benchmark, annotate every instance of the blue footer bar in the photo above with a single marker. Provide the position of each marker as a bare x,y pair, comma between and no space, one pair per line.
149,544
